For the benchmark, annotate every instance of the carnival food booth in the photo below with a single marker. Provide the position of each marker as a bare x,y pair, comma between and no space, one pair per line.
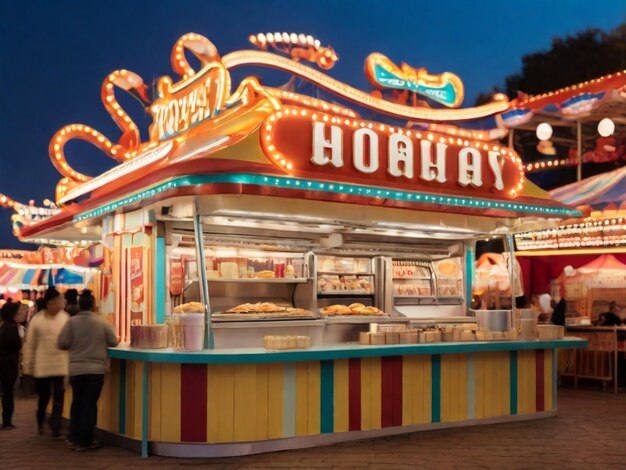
329,256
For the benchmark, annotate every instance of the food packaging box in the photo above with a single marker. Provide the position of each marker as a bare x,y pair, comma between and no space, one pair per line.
408,337
377,338
392,337
364,338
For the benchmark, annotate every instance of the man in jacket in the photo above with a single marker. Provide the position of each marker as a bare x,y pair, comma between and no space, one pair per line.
86,337
10,345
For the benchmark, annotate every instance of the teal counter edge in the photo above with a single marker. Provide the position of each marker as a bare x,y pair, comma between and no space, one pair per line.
317,353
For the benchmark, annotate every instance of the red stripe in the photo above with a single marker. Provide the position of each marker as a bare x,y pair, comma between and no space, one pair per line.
387,370
354,394
396,396
539,362
193,402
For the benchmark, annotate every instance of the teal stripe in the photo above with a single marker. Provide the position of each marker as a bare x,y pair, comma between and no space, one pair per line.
471,386
289,401
469,273
327,395
122,397
159,279
555,367
144,411
300,184
436,388
513,381
320,353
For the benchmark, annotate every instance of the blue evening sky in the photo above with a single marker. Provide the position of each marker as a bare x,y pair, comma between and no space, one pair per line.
55,54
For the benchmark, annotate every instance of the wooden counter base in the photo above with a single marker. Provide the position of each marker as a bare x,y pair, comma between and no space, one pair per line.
217,409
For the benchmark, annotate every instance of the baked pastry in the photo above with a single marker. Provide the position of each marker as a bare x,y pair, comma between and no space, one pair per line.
265,274
189,307
354,306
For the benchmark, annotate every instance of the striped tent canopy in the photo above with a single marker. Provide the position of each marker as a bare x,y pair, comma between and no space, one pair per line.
29,276
597,192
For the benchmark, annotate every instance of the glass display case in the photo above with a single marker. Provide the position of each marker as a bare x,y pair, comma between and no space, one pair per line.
411,278
344,276
449,277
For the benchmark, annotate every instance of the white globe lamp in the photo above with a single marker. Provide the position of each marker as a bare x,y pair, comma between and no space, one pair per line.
544,131
606,127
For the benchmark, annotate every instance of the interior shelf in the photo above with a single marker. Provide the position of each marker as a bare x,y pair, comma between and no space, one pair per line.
271,280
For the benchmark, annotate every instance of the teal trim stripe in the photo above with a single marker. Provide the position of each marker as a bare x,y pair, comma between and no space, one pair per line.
122,397
513,381
347,351
471,386
289,401
326,187
436,388
327,395
555,378
144,411
469,273
159,279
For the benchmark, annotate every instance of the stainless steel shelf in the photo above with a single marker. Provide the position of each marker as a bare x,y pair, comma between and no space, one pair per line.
261,280
329,273
346,294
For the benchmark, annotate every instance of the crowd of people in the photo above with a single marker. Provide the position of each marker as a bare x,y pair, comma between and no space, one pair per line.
63,339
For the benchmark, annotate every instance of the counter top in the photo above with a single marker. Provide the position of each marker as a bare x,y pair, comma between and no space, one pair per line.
342,351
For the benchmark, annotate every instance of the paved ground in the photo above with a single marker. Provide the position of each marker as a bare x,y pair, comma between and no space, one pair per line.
589,433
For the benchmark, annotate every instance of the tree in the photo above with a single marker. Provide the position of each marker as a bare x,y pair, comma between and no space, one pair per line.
588,54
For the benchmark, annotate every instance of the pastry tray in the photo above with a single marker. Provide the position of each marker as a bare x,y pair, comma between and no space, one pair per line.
304,315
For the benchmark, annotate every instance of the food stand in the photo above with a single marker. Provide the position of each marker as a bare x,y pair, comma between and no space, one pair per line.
282,216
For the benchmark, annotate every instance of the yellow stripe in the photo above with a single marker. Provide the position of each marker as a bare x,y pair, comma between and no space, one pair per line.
423,392
366,393
275,400
225,378
341,396
376,393
480,385
170,402
262,408
503,371
137,398
547,380
154,391
526,382
302,406
113,377
313,398
130,403
453,387
244,402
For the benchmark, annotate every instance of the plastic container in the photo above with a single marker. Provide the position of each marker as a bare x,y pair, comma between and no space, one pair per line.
193,331
494,320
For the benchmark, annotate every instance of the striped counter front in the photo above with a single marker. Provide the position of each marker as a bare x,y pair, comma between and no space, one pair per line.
234,402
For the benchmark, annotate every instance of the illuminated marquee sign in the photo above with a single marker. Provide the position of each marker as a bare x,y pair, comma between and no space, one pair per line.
346,150
446,88
189,102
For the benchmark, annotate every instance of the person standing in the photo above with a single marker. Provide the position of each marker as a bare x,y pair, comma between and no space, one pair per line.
45,361
10,345
86,337
71,299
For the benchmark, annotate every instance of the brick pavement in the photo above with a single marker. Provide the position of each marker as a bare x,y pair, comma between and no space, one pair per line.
589,433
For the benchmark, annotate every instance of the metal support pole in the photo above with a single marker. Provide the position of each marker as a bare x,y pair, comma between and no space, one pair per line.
509,242
511,131
204,286
579,150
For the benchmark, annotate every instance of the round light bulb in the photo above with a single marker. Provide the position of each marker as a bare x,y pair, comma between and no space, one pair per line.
544,131
606,127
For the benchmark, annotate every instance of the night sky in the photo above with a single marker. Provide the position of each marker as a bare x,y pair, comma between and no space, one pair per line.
55,54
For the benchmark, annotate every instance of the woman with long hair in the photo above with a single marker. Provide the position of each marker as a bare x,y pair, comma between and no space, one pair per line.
45,361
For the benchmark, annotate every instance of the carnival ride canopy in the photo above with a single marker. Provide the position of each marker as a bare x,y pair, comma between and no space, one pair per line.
29,276
603,263
604,191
